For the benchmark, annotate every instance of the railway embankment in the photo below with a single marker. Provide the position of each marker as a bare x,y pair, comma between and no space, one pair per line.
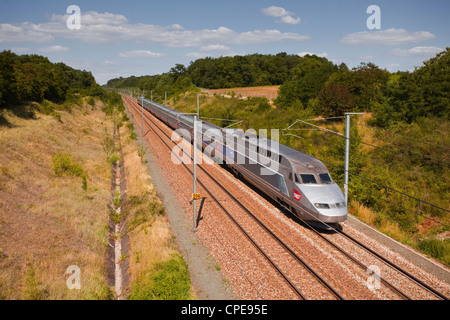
56,192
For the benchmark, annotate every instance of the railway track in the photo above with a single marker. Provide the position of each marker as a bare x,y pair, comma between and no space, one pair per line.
279,246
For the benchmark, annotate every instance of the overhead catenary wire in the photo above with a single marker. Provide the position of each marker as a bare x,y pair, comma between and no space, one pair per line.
410,138
362,177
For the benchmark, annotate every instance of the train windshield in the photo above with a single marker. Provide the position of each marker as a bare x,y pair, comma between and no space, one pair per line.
308,178
325,177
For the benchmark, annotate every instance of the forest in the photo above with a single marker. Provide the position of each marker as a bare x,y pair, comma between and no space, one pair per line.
25,78
316,84
399,174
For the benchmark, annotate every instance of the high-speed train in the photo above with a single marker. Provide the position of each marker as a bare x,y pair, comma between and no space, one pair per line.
299,182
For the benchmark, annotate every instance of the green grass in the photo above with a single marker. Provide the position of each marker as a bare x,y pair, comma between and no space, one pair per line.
63,164
168,280
438,249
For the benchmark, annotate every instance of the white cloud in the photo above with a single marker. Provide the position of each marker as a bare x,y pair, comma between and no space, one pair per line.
194,55
417,51
366,57
93,18
215,47
388,37
20,50
113,28
177,27
274,11
23,32
55,48
290,20
279,12
140,54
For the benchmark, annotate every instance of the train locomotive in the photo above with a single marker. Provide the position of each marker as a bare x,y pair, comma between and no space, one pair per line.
299,182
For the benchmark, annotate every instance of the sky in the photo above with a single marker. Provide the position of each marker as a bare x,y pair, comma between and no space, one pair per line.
124,38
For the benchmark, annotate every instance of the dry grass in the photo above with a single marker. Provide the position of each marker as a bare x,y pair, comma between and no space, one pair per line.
150,234
270,92
47,222
370,217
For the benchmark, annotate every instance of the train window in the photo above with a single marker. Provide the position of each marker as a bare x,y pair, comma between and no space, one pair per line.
325,177
296,178
308,178
281,185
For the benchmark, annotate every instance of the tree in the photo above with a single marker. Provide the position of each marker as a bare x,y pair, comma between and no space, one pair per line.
307,79
411,95
334,100
177,71
9,86
366,82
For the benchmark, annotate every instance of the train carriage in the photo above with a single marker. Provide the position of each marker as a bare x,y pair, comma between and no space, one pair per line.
298,182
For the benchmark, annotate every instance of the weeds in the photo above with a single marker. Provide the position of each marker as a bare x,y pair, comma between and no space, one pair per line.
84,185
438,249
33,288
168,280
108,145
63,164
141,152
114,158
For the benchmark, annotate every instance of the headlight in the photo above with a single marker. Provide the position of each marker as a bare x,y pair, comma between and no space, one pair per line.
322,205
341,205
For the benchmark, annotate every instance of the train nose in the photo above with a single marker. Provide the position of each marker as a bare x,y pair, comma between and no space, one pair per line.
332,212
328,200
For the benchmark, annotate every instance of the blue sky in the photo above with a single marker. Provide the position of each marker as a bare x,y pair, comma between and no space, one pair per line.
123,38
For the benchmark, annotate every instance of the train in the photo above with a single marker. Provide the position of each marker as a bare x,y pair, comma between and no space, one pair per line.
298,182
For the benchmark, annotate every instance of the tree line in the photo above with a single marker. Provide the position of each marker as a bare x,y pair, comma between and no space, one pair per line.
25,78
317,84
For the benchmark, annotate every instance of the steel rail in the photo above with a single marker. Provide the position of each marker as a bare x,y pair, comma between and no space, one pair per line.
399,269
271,233
285,277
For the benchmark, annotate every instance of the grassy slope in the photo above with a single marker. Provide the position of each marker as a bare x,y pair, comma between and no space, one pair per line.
49,222
157,269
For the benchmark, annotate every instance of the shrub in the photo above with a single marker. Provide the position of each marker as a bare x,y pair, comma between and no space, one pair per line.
108,146
64,164
114,158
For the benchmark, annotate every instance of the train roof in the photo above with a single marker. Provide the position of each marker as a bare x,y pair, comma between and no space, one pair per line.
301,162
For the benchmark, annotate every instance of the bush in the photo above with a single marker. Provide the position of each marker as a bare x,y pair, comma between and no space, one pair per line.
64,164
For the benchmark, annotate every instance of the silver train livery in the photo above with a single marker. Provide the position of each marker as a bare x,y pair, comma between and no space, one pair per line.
299,182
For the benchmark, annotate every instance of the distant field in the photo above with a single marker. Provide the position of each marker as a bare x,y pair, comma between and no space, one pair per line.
270,92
